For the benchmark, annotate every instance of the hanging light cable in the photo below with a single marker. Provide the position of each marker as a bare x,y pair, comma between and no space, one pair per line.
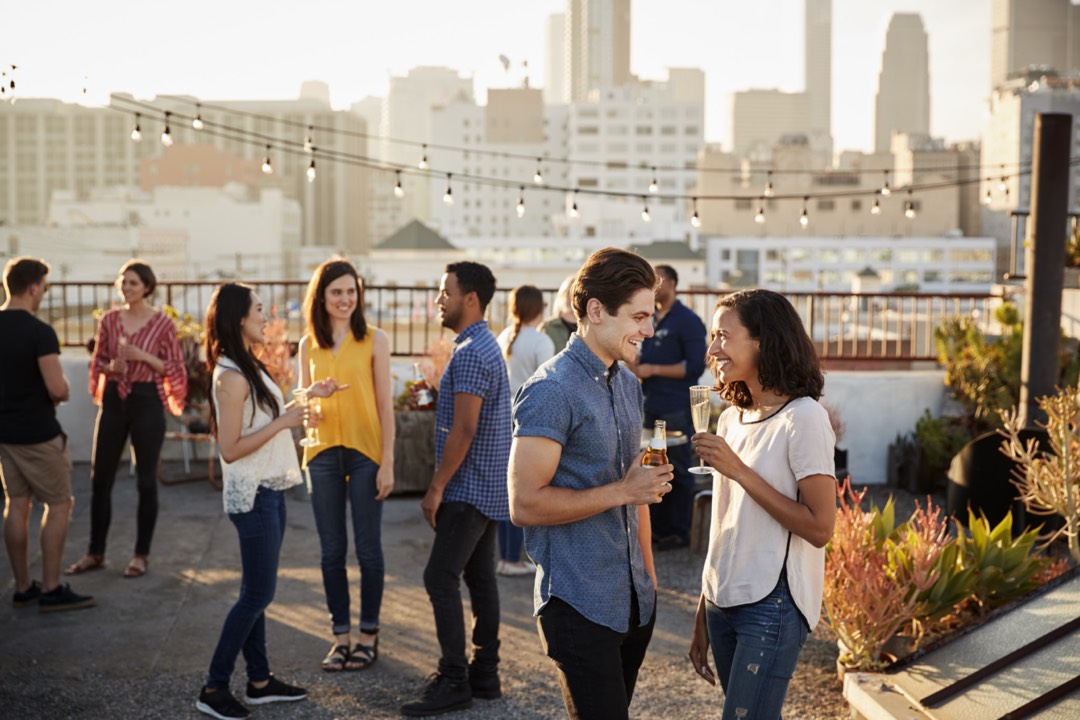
309,141
448,196
267,168
399,192
768,184
423,164
645,210
886,191
166,132
311,166
196,122
654,186
136,133
521,202
804,219
695,219
573,211
538,176
988,196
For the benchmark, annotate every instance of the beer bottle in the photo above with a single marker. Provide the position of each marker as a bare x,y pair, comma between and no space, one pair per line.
422,396
657,452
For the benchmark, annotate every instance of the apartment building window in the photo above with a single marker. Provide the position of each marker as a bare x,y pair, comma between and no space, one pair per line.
618,130
743,204
775,255
933,276
971,256
934,256
852,255
828,256
587,182
691,130
908,256
971,276
880,255
643,130
775,277
827,205
799,254
667,130
588,130
856,205
616,165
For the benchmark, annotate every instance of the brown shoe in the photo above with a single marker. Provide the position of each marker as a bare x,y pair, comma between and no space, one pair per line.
137,567
86,563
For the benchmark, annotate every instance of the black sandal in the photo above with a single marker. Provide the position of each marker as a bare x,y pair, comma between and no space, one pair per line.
365,655
336,659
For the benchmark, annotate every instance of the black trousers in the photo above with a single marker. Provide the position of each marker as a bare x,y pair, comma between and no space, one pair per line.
141,416
597,666
464,546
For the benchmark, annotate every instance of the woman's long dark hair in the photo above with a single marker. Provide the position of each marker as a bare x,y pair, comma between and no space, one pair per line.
787,361
526,304
229,305
318,321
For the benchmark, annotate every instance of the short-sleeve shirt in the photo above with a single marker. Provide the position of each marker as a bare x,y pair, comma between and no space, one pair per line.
594,412
27,413
747,545
679,337
476,367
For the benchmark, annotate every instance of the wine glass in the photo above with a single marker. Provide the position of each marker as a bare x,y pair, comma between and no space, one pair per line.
314,406
700,410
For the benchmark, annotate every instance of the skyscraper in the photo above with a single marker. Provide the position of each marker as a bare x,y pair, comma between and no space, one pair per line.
818,29
903,99
555,59
597,46
1041,32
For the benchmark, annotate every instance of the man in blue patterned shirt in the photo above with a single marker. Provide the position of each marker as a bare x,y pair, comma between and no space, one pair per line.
468,494
578,488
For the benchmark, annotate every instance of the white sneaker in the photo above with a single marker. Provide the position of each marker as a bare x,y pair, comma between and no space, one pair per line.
518,569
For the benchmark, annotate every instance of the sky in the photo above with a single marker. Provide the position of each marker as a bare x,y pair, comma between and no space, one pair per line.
81,51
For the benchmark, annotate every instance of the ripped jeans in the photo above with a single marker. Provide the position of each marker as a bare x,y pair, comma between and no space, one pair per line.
756,648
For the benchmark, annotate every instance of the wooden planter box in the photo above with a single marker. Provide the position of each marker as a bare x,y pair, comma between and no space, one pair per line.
414,450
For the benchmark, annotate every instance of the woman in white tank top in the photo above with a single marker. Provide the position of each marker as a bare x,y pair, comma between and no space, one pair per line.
774,503
258,459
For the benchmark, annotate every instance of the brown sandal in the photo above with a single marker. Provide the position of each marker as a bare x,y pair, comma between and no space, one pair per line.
86,563
337,659
137,567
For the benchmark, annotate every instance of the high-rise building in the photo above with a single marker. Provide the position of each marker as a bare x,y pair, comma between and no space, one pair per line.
818,30
1033,32
903,99
597,46
555,59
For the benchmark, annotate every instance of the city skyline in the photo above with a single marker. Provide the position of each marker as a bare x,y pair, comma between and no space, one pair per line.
268,52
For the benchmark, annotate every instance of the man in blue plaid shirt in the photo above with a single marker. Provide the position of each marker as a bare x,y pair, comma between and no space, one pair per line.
467,495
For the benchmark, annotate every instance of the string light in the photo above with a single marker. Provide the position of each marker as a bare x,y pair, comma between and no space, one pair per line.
988,197
309,142
538,177
645,211
267,168
448,196
875,209
196,122
399,192
886,191
311,167
423,164
136,133
804,219
521,202
1003,185
909,206
166,133
654,187
695,219
768,185
760,217
573,212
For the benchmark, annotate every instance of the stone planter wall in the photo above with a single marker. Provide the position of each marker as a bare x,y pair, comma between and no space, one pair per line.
414,450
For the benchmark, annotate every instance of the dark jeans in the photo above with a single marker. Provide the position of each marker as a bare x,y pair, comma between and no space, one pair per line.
597,666
511,538
464,547
340,475
672,516
140,415
261,531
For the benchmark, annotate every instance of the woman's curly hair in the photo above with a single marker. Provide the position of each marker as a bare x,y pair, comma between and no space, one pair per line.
787,362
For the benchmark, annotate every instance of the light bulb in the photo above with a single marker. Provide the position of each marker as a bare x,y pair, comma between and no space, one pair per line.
196,122
311,171
1003,185
521,207
538,176
909,210
695,220
573,211
654,187
645,214
423,164
886,191
136,133
988,197
267,168
804,219
166,137
309,143
399,192
769,186
876,208
760,217
448,196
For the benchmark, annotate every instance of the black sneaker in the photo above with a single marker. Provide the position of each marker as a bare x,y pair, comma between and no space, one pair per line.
28,596
221,704
440,695
63,598
274,691
484,683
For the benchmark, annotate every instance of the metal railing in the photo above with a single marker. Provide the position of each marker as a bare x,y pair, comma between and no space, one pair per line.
845,326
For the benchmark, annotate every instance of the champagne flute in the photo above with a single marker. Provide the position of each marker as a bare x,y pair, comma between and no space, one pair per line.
700,410
301,396
314,406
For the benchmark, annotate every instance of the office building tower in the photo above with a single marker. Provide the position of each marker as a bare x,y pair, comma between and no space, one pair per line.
818,29
597,46
555,59
903,99
1033,32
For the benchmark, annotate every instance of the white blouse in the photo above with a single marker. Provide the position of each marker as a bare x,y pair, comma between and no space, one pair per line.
746,544
274,465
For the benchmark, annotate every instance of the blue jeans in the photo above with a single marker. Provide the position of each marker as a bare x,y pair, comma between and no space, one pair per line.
261,531
756,648
511,538
339,474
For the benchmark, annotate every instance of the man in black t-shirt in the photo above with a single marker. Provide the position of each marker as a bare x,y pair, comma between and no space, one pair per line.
34,457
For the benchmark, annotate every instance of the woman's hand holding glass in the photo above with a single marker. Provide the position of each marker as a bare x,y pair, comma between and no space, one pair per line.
314,408
701,411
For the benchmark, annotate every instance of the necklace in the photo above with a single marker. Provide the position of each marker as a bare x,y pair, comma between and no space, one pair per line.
763,419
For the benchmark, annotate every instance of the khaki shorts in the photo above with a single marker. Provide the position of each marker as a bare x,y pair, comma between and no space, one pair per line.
42,470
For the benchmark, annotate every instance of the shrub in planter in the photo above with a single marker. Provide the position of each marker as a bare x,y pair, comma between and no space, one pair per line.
939,440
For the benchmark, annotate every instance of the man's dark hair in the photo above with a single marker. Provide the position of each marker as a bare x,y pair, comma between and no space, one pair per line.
611,276
668,272
22,272
474,277
787,361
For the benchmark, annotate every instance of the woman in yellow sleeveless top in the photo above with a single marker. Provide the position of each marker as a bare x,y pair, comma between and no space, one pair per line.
354,461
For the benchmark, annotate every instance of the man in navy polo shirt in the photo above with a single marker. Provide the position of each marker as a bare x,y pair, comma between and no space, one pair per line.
467,495
578,488
671,361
